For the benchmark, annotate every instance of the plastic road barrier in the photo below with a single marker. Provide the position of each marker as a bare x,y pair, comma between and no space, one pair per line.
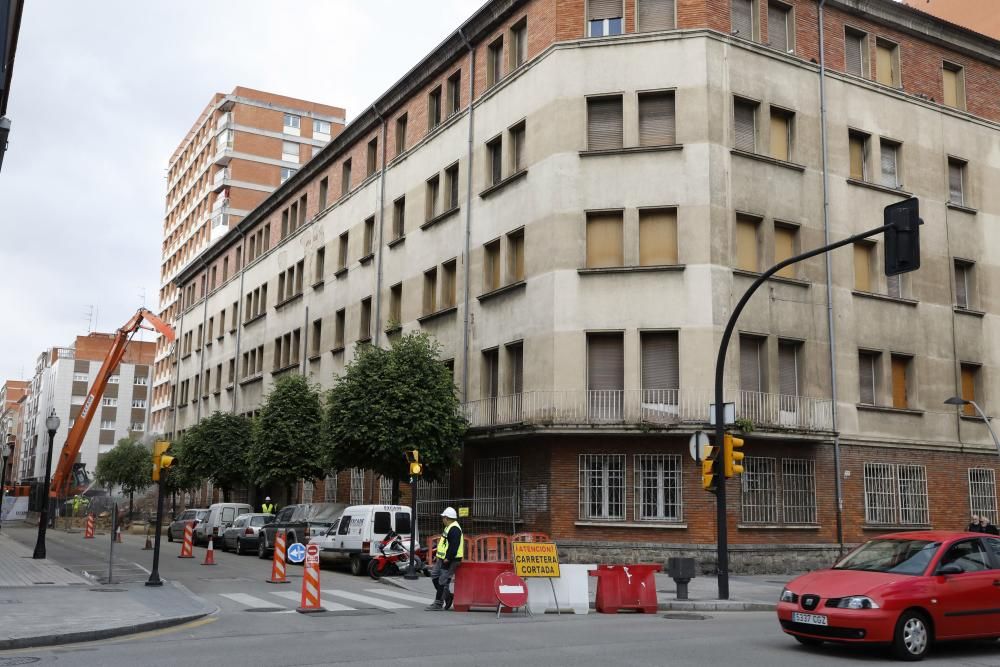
278,562
571,588
626,587
88,533
187,548
310,603
474,585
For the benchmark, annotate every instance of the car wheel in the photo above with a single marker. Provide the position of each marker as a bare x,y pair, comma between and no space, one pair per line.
912,638
170,535
239,547
808,641
357,567
261,549
373,570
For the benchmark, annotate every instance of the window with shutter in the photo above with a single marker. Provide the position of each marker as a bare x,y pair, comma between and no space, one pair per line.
780,134
656,119
777,27
887,63
657,237
890,176
784,247
854,51
515,360
491,266
604,240
863,267
515,256
962,270
747,244
788,368
603,9
956,185
867,362
969,377
744,119
605,375
491,373
660,365
953,79
899,372
858,155
604,123
751,364
655,15
742,16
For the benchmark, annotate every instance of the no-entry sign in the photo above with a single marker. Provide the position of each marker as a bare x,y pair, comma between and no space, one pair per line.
536,559
312,555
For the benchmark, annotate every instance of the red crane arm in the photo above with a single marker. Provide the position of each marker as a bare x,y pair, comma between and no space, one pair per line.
74,440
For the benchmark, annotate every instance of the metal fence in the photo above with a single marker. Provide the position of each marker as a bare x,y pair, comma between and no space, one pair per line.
486,515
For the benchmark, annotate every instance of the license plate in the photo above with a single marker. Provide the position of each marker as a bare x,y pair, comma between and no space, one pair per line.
810,619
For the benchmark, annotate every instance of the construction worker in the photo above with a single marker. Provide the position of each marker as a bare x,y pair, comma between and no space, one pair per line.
268,507
447,558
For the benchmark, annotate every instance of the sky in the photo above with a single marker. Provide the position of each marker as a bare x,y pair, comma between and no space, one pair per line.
103,92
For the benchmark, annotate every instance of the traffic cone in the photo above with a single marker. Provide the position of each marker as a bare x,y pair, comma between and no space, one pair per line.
210,553
149,543
88,533
309,603
187,547
278,562
118,535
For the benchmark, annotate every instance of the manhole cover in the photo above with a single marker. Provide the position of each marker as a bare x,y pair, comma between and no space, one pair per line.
686,617
265,609
108,590
10,602
17,661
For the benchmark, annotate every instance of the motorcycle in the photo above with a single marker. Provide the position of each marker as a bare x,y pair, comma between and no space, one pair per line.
394,557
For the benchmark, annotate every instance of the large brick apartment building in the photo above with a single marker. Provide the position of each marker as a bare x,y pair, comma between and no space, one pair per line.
571,196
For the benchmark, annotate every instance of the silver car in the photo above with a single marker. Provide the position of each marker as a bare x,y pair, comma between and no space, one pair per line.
242,535
175,531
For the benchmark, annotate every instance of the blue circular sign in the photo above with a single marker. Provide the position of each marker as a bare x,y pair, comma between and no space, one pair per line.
296,553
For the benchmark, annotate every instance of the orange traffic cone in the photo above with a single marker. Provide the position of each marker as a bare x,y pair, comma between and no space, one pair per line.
118,535
187,548
210,553
310,589
278,562
88,533
149,543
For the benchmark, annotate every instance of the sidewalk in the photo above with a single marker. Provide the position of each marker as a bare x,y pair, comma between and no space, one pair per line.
749,593
45,604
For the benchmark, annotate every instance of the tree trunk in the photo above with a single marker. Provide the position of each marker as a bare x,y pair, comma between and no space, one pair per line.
130,494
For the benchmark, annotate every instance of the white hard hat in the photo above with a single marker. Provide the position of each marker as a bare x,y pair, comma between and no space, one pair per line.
450,513
268,499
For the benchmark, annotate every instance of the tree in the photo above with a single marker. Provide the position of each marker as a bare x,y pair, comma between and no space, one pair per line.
216,449
390,401
286,444
180,477
129,465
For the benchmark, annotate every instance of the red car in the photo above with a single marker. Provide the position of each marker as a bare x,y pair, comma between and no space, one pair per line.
905,590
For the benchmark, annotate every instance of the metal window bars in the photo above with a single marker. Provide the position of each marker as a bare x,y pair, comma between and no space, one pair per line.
308,488
798,489
759,490
602,486
330,488
658,491
896,494
384,490
357,486
497,478
880,493
983,493
913,505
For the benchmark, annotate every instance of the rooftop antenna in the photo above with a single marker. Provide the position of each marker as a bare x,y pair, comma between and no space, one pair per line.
90,318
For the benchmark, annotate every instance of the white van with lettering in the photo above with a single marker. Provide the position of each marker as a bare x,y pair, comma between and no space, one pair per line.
355,537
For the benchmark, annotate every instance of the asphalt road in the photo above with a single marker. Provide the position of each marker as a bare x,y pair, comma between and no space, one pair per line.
373,625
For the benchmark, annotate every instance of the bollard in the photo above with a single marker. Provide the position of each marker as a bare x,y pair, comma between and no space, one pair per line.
310,603
88,533
278,562
187,548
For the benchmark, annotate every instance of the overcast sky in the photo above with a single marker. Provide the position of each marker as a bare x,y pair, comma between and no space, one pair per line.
102,94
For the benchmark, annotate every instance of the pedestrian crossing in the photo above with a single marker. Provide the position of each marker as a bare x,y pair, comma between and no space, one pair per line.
334,600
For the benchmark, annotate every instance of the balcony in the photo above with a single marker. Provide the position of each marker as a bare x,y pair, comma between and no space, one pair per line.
224,120
635,407
221,179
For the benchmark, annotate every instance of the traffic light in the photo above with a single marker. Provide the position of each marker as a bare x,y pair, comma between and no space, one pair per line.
161,460
732,457
902,239
708,469
413,458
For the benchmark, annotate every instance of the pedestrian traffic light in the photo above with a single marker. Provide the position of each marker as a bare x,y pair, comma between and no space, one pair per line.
160,458
902,239
732,456
708,469
413,458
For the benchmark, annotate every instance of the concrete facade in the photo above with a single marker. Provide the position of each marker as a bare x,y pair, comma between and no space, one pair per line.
532,314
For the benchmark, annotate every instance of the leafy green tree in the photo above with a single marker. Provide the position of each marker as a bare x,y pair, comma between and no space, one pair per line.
129,465
390,401
180,477
286,444
216,449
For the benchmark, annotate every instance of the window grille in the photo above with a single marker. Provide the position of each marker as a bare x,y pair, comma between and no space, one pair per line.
913,495
760,490
798,486
330,488
384,490
497,491
307,491
658,487
983,493
357,486
602,486
896,494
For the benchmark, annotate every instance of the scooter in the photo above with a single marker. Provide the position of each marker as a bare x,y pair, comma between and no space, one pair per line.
394,557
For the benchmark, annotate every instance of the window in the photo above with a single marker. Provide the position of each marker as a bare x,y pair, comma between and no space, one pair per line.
454,100
604,240
517,161
491,266
785,247
753,364
864,266
602,486
108,424
434,108
743,19
433,189
788,374
365,328
983,493
138,403
494,150
656,119
798,484
515,256
956,181
896,494
141,380
109,402
225,269
232,372
320,265
345,178
515,370
430,291
901,380
494,63
953,78
519,44
890,166
324,186
81,377
369,238
401,134
286,173
604,17
858,142
491,374
330,488
357,495
604,123
497,487
657,237
745,125
138,427
451,186
372,161
655,15
321,129
759,490
317,336
448,284
855,52
658,487
869,375
395,305
660,374
292,124
780,27
342,252
747,243
289,151
781,134
886,62
970,388
605,376
338,329
398,218
963,283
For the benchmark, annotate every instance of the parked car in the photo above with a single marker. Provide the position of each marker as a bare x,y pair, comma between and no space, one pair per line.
175,531
242,535
357,535
220,516
907,590
300,523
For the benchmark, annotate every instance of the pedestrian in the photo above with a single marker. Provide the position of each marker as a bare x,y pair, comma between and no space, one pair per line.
447,557
268,507
987,527
974,526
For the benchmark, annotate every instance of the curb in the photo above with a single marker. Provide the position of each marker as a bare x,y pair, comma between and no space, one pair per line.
95,635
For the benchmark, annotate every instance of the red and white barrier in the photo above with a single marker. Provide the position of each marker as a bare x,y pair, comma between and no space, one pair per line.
88,533
278,562
310,603
187,548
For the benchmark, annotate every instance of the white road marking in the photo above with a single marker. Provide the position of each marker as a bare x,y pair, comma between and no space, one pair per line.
329,606
247,600
401,596
365,599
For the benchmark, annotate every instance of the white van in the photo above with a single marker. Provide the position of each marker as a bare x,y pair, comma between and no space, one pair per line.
354,538
220,517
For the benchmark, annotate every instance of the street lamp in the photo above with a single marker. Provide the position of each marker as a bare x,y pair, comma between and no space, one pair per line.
5,451
51,425
958,400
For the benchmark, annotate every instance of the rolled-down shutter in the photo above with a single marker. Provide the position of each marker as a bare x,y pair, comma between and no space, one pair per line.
750,379
604,123
744,118
742,15
659,361
603,9
657,237
656,119
604,240
853,44
899,399
605,362
655,15
777,27
949,78
788,369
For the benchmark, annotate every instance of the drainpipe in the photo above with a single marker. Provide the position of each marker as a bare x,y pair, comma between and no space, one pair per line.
177,373
203,352
831,331
468,219
377,297
239,319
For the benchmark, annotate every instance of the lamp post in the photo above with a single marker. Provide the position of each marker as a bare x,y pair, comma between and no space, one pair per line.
5,451
958,400
51,425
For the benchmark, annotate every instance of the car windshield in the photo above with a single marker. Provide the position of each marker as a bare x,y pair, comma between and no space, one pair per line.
895,556
259,520
202,514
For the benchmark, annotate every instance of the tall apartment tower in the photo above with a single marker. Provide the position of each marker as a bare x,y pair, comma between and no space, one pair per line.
243,146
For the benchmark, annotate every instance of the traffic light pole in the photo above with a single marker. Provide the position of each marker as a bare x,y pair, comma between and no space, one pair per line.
411,570
722,531
154,576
